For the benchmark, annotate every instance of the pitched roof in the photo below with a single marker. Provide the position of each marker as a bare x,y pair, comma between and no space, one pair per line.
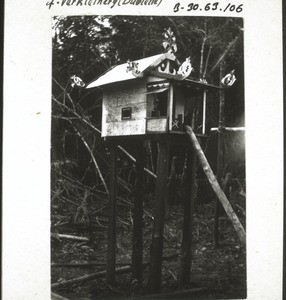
119,73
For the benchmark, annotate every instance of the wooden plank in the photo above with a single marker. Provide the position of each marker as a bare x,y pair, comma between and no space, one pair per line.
171,105
159,216
186,82
187,240
111,249
231,129
137,246
215,186
156,125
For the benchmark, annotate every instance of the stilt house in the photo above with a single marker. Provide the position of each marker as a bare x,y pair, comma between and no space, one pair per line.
153,97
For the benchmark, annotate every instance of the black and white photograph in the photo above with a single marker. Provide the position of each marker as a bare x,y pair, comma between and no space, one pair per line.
148,186
142,150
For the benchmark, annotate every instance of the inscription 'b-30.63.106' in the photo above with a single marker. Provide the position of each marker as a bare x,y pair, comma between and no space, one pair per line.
216,6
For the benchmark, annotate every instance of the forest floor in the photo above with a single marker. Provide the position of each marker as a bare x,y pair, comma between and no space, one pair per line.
221,271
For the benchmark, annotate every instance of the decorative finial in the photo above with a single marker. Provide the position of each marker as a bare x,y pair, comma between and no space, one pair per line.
229,79
169,41
76,81
132,67
185,68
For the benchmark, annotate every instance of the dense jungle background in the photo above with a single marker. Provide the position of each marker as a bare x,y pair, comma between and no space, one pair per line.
88,46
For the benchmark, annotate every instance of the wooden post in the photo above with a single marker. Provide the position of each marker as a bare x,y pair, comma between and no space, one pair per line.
158,229
137,247
171,187
189,197
171,106
111,247
220,157
204,111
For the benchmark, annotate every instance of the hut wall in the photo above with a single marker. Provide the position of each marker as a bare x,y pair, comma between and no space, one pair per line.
129,96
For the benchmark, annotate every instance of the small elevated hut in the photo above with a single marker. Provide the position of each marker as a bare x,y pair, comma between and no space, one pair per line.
148,96
151,98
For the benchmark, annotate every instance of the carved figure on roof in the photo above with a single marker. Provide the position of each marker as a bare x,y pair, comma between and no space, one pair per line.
186,68
132,66
229,79
76,81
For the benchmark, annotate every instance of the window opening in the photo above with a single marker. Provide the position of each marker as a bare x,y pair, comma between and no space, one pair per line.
126,113
159,104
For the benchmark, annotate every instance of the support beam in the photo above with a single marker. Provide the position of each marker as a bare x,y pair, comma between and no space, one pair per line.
189,197
134,160
158,229
111,249
137,246
215,186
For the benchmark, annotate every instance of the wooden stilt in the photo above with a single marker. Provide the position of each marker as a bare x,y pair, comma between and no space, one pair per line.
220,159
204,111
187,241
158,230
137,250
111,250
171,187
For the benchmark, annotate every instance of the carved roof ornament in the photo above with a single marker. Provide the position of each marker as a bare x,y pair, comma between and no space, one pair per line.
76,81
165,67
229,79
132,67
186,68
169,41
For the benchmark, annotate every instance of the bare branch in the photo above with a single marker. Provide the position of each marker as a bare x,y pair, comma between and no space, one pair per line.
224,54
207,62
93,158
